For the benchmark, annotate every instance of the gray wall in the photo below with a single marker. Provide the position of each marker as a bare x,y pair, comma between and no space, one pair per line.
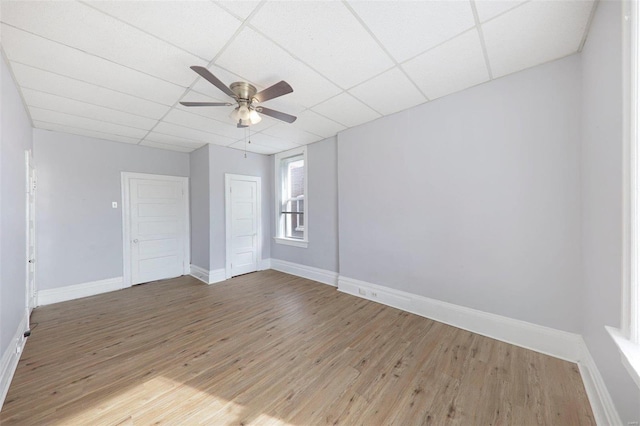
472,199
79,234
601,160
200,204
322,251
15,138
226,160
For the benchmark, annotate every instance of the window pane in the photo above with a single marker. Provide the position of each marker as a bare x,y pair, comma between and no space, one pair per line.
293,226
292,201
292,172
296,179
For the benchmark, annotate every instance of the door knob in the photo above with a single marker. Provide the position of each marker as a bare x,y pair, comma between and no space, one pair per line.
32,261
135,241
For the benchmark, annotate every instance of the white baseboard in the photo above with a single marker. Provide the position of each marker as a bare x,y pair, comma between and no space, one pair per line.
217,275
199,273
559,344
264,264
76,291
604,410
207,277
309,272
10,358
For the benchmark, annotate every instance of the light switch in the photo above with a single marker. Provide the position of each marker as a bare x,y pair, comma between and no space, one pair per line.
114,205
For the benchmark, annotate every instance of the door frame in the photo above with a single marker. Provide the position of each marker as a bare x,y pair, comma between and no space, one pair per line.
228,177
125,181
30,208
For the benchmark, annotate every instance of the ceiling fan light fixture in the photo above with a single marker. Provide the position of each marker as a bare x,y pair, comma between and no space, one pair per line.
245,118
235,115
254,117
243,112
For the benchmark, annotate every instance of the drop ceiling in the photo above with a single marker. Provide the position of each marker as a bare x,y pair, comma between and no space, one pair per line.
117,70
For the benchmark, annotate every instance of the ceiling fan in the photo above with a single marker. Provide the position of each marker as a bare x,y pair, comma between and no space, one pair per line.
246,96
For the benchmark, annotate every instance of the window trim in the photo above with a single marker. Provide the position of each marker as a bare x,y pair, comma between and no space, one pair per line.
279,237
627,338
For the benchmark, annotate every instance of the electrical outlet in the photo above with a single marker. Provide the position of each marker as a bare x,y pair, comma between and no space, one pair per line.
362,292
374,294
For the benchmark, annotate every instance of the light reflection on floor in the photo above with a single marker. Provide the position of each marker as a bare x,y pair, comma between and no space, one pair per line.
165,401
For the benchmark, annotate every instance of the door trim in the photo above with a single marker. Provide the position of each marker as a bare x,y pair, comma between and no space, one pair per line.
30,207
228,177
126,223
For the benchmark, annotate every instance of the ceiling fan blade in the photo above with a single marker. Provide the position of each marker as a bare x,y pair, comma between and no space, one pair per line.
190,104
276,114
206,74
278,89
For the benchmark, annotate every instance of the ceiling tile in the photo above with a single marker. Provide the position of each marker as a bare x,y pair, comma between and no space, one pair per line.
488,9
40,53
242,9
170,147
44,81
534,33
76,25
283,104
264,63
264,144
34,98
346,110
39,114
312,122
172,140
326,36
450,67
191,134
199,27
425,24
289,133
199,122
253,148
389,92
261,139
83,132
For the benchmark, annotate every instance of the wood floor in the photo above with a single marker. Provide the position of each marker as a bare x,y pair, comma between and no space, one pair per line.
270,348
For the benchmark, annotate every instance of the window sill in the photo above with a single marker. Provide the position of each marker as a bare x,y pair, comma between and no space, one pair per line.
291,242
630,353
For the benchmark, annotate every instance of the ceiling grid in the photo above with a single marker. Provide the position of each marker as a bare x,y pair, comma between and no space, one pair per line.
118,70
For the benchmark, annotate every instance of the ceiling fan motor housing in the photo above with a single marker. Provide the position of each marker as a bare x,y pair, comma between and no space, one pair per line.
243,91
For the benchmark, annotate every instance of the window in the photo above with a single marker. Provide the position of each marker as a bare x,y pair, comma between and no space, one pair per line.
628,338
631,310
291,197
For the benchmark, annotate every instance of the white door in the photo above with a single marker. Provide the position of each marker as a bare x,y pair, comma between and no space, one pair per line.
158,227
31,231
243,230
